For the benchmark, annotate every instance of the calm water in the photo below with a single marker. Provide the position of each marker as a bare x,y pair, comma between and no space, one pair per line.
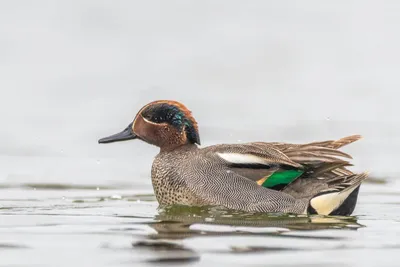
97,225
74,71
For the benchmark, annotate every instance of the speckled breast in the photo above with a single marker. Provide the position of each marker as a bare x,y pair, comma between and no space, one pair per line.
169,186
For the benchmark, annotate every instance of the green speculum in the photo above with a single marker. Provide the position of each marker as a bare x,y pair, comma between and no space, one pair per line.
282,178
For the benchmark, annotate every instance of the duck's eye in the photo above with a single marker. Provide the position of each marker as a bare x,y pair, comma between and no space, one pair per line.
157,119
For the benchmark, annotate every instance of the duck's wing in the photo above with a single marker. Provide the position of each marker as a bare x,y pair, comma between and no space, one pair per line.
276,165
334,144
304,153
322,160
253,161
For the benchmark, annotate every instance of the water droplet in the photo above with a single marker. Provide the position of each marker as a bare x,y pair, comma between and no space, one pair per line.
116,197
228,171
239,140
138,201
328,118
97,188
98,161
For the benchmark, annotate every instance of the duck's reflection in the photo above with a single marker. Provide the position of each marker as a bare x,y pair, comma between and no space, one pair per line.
165,251
175,223
179,222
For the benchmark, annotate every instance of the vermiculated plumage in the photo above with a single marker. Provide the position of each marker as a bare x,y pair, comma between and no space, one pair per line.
256,177
210,180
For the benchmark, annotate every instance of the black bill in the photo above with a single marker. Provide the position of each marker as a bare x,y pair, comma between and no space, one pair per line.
126,134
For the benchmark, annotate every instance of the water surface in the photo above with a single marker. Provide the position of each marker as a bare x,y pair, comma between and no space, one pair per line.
88,226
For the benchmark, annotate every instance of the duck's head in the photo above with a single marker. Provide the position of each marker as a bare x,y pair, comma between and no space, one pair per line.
164,123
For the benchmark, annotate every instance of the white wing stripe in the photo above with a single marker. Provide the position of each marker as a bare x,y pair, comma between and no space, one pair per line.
242,158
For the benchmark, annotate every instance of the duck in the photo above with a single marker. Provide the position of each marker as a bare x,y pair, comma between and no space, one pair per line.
260,177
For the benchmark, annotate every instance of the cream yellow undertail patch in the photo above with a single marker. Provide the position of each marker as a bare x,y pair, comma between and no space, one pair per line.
325,204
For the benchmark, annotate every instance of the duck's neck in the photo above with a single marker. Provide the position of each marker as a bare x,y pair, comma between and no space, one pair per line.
172,147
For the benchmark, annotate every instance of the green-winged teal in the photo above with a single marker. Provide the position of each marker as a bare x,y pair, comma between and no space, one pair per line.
257,177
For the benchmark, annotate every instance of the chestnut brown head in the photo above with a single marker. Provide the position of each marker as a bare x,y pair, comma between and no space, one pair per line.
165,123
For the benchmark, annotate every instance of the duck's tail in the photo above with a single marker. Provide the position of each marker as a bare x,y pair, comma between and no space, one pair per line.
336,144
329,201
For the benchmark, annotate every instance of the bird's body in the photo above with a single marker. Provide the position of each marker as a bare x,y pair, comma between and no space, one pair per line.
256,177
196,177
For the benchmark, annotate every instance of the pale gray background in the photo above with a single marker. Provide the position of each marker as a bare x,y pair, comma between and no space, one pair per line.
72,72
296,71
